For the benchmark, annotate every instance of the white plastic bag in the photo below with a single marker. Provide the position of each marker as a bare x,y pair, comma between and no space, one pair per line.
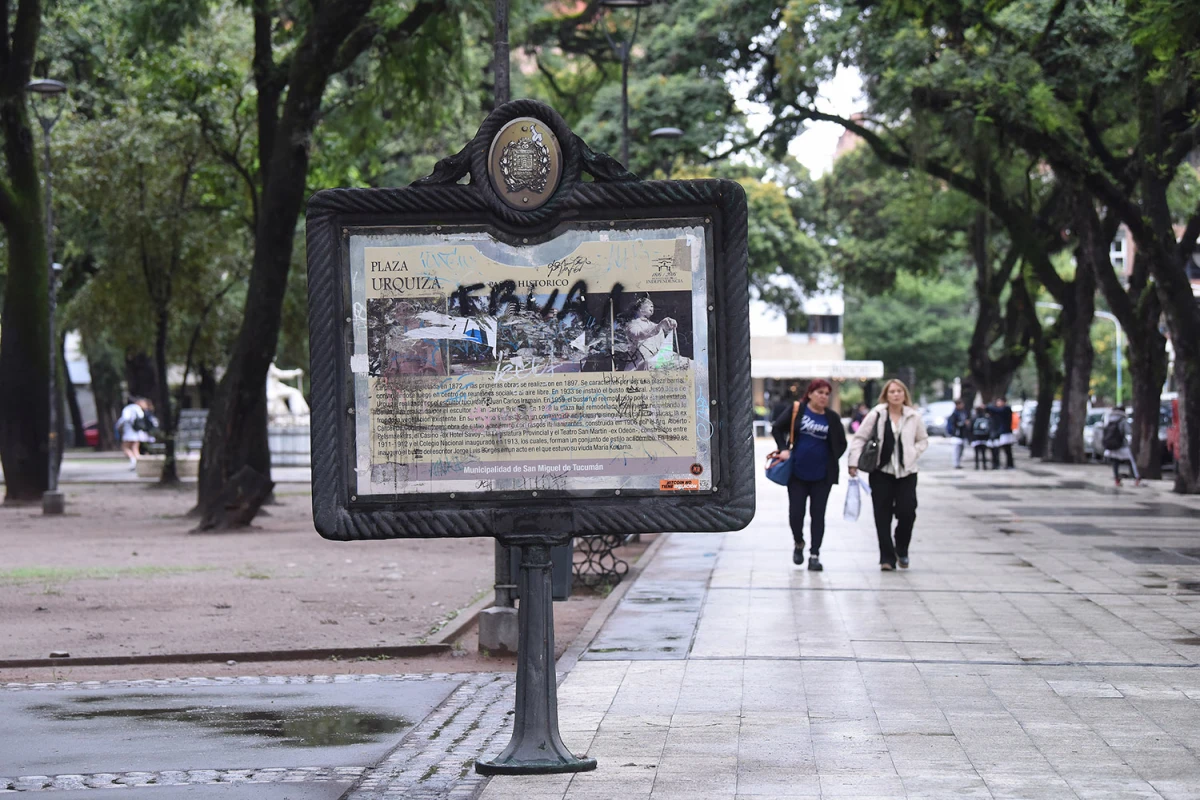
854,493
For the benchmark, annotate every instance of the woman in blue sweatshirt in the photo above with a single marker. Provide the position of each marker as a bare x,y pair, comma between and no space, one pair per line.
818,441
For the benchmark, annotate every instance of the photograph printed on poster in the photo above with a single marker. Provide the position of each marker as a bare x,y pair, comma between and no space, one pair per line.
546,333
402,337
652,331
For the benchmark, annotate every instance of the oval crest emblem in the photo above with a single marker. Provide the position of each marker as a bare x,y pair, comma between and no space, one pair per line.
525,163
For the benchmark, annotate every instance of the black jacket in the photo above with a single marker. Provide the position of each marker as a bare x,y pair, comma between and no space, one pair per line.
1002,418
837,436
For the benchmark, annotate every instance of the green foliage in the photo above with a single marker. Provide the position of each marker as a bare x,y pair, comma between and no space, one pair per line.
886,222
924,322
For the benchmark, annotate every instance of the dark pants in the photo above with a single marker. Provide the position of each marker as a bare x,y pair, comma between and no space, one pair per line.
981,456
893,497
1007,448
815,494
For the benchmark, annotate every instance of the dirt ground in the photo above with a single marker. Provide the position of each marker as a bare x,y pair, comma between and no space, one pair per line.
121,575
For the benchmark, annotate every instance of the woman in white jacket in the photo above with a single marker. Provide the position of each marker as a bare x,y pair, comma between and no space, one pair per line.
902,439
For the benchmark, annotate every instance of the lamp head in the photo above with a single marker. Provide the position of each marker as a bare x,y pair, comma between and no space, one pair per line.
46,86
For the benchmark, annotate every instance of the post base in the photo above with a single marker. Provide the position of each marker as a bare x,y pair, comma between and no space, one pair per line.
543,767
53,502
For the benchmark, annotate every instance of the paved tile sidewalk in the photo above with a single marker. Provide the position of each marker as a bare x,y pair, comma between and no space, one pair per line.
1045,644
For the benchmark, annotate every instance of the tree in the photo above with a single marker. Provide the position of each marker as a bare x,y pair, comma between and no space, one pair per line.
884,223
918,61
933,312
297,54
1061,81
25,338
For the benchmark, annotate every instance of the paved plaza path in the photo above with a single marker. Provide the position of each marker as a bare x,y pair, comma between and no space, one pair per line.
1044,644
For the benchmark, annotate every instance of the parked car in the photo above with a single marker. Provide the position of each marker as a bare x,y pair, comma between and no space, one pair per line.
1093,432
1028,412
91,434
934,416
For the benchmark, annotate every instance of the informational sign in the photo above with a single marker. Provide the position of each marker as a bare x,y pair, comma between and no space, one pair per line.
577,364
530,354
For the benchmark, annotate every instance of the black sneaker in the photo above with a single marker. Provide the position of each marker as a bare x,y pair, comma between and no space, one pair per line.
903,562
798,555
886,567
814,564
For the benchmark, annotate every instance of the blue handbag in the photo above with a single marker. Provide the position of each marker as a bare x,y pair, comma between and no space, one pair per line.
781,471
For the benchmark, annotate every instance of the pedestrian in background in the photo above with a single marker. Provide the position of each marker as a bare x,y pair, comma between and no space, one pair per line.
134,426
1002,436
856,420
958,428
981,434
1115,439
818,441
902,439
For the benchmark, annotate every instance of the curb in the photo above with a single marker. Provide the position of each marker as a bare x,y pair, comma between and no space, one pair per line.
570,657
318,654
464,619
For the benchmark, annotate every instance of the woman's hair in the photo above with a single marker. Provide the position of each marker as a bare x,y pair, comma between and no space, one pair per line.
638,300
888,385
814,384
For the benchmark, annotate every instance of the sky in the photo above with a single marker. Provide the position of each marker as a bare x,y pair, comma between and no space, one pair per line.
814,148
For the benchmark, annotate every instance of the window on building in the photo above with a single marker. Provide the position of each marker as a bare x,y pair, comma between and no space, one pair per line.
824,323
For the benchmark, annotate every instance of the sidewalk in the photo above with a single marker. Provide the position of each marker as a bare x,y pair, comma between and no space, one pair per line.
1045,644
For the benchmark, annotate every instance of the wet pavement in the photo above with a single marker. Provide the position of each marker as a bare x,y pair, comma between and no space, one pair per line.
1044,644
174,738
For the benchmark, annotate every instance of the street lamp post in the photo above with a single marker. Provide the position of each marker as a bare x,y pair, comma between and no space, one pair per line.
1111,318
622,50
671,134
52,499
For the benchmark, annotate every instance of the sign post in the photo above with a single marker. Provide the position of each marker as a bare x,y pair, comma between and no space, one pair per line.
531,357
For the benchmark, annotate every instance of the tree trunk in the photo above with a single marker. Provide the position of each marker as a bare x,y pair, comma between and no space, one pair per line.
140,378
166,418
1185,336
1078,300
994,323
105,368
24,363
235,434
1147,449
1137,309
78,438
1148,371
206,386
1049,380
1174,290
1078,357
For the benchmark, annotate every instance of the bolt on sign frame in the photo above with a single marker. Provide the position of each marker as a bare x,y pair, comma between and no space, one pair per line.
530,356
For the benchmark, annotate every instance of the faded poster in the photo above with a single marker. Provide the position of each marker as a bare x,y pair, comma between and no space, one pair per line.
578,364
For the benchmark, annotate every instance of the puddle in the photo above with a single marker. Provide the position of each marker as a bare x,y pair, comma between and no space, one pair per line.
311,726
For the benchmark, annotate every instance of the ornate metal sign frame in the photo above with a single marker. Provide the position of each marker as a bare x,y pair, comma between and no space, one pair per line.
439,202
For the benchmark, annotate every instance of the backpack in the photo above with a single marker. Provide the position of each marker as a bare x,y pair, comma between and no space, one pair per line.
1113,437
981,428
143,423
